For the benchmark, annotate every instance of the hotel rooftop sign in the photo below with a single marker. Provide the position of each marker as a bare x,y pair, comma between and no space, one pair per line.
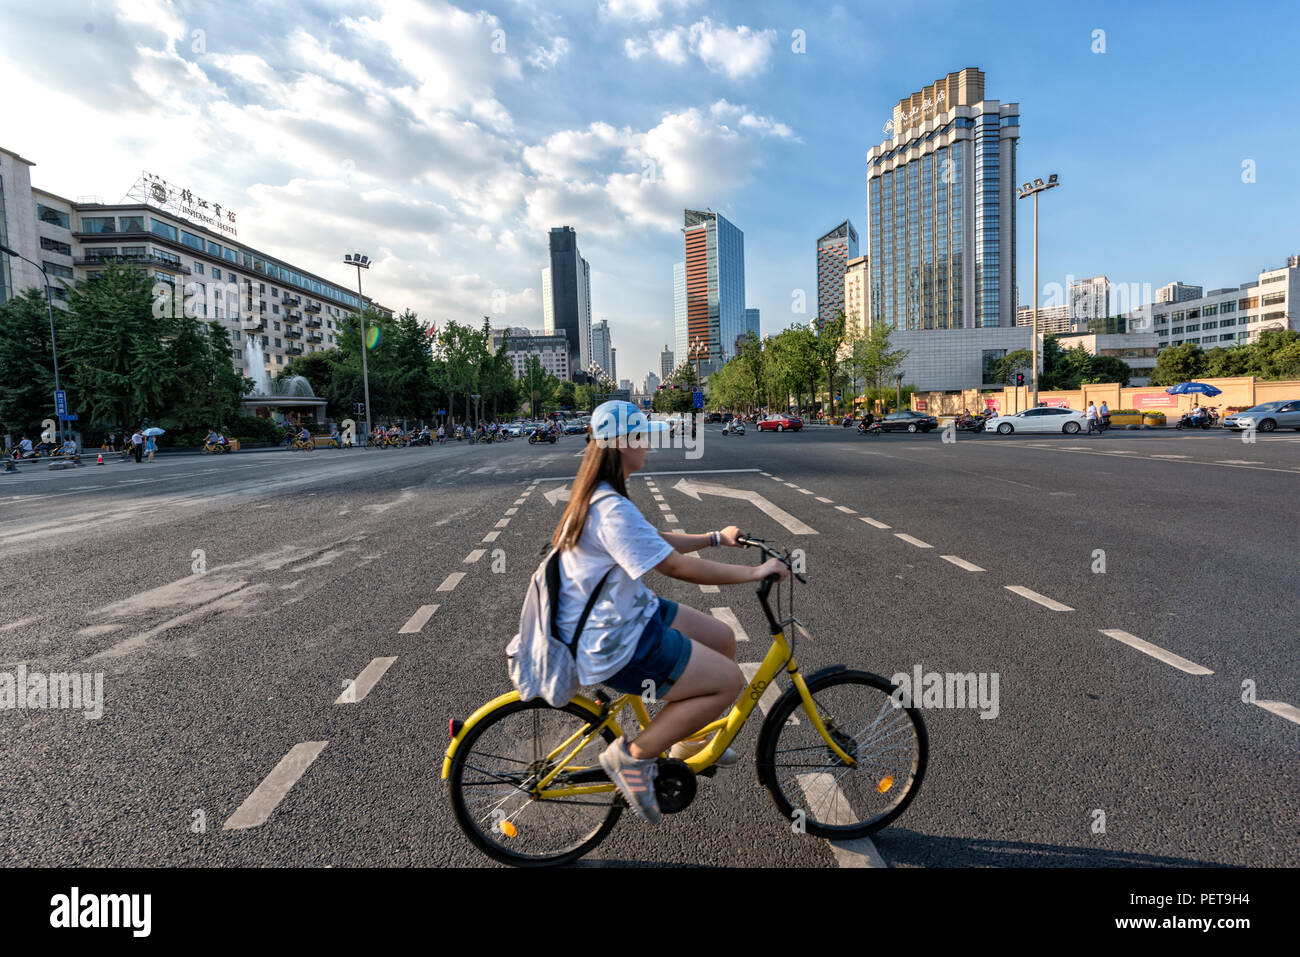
156,191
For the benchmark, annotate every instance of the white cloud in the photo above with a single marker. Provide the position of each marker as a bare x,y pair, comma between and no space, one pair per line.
641,11
546,59
739,52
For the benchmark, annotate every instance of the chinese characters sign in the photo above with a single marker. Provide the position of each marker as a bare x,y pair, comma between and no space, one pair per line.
917,113
158,192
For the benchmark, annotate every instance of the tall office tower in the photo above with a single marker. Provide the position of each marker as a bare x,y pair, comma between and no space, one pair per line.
566,296
855,297
666,364
600,347
941,224
613,363
679,313
1178,292
715,288
651,383
834,250
752,324
1089,299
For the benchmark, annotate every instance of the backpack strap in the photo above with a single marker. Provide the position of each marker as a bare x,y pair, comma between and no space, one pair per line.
591,603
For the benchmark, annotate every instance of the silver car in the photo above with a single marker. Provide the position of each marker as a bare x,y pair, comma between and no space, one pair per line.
1267,416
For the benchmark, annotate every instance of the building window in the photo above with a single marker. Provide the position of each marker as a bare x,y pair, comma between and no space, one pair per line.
275,308
54,246
1210,311
1272,279
1227,307
279,360
216,273
130,224
214,249
194,242
54,269
98,224
277,343
275,291
234,335
47,215
162,229
198,269
239,354
1251,303
135,250
277,327
1272,299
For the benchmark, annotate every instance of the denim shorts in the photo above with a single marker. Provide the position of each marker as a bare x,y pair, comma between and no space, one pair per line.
661,656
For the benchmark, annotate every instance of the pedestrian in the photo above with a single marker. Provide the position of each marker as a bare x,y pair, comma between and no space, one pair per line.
1093,424
1104,415
151,446
137,445
110,444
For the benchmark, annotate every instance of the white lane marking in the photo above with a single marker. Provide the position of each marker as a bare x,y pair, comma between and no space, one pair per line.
1281,709
961,563
770,693
763,473
791,485
803,491
702,472
368,678
665,508
728,618
257,807
1155,651
511,511
83,488
491,536
502,524
824,500
519,501
912,541
1170,456
659,498
822,792
872,522
475,555
1236,462
776,478
418,620
710,589
265,506
792,524
451,581
1043,600
845,509
670,518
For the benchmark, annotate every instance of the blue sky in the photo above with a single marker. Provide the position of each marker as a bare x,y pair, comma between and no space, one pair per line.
444,140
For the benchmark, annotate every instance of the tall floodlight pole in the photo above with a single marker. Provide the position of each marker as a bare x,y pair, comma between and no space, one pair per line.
1027,190
49,305
362,262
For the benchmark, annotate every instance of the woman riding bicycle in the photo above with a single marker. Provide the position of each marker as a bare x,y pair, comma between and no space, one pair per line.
633,640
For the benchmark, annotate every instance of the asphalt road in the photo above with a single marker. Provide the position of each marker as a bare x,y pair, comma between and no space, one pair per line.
229,602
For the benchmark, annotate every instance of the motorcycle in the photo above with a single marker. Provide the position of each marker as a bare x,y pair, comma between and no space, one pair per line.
539,435
875,427
1189,421
974,424
848,421
734,427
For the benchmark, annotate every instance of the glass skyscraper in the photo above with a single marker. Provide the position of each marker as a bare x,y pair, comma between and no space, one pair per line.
713,277
941,226
566,296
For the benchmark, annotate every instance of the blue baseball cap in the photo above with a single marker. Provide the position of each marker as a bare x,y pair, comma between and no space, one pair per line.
614,419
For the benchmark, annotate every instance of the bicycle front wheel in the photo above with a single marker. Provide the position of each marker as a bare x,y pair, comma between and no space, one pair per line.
812,785
494,770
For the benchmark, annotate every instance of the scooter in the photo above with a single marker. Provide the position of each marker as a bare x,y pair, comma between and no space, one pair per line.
1188,422
875,428
734,427
539,435
976,423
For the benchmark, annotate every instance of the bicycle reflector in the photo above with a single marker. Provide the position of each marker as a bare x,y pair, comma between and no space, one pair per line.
885,784
508,829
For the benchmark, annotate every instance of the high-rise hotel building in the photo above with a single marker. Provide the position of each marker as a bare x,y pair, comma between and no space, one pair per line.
834,250
566,296
710,308
941,225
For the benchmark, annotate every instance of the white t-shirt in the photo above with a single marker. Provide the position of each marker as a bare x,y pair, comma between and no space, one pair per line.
616,536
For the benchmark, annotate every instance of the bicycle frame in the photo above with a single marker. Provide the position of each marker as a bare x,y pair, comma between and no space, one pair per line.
604,715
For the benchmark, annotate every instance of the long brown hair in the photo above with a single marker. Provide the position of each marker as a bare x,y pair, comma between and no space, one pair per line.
598,465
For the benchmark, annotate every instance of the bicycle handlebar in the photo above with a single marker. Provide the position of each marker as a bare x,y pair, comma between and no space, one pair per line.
781,556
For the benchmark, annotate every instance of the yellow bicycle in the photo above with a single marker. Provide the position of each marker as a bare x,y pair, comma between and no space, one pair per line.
839,753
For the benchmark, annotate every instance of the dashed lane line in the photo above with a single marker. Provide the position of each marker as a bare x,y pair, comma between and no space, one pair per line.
502,523
257,807
1281,709
728,618
511,511
872,522
1043,600
912,541
1155,651
825,501
418,620
491,536
845,509
365,681
821,791
961,563
451,581
803,491
474,556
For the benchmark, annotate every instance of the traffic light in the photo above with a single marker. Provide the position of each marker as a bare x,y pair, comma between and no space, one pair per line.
1020,378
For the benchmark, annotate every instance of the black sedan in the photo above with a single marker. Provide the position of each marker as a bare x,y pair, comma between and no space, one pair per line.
908,421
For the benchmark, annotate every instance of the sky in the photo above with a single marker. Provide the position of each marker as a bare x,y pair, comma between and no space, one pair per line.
444,141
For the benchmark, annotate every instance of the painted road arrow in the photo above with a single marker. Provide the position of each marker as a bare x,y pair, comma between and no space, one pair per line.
792,524
558,495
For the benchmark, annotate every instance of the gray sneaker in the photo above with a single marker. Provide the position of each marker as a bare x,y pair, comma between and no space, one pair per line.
635,780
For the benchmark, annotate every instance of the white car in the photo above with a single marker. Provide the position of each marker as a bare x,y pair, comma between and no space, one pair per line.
1042,419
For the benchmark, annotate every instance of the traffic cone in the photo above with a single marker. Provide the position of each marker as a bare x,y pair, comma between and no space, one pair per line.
101,459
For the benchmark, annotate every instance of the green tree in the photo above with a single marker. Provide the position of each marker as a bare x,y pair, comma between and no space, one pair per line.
26,363
827,346
1178,364
203,389
410,373
1108,369
319,368
564,396
1006,368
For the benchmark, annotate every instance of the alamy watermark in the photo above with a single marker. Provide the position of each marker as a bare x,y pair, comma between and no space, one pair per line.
35,690
934,689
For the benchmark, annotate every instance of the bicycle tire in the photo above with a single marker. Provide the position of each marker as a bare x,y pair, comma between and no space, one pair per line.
485,832
826,789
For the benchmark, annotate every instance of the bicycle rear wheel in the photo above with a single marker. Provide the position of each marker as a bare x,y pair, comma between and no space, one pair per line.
804,775
493,770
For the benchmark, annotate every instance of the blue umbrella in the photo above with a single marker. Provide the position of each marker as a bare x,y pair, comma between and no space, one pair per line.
153,431
1187,388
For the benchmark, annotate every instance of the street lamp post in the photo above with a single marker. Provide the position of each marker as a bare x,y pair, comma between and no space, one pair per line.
362,262
49,305
899,380
1027,190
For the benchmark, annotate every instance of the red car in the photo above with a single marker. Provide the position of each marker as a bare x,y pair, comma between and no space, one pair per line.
781,423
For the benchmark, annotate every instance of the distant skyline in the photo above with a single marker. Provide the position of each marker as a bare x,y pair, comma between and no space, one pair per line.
445,142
